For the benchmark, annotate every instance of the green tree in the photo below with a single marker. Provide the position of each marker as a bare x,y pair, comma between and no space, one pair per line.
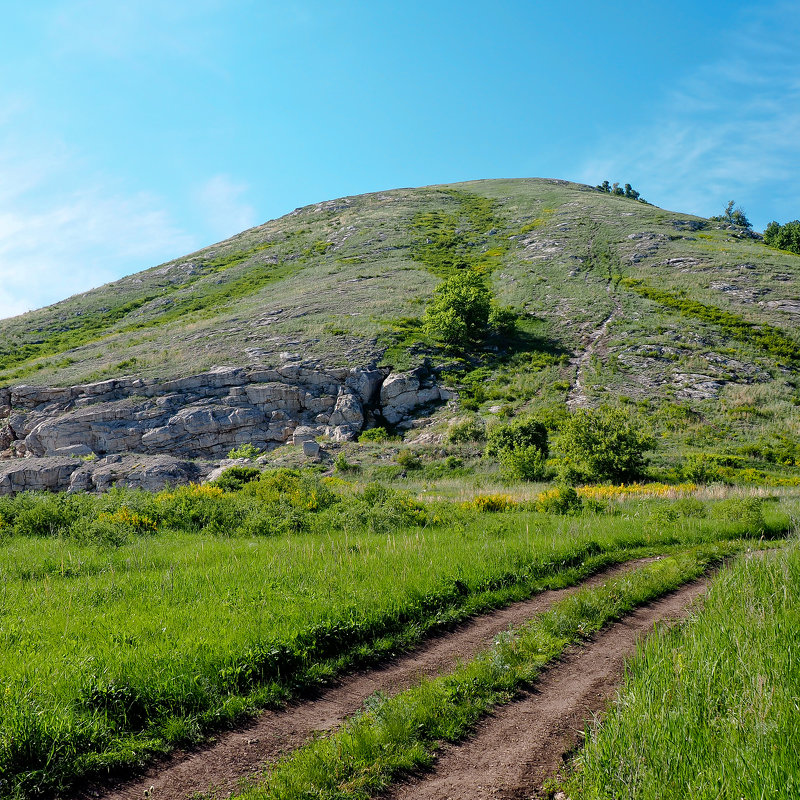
458,314
734,216
784,237
605,444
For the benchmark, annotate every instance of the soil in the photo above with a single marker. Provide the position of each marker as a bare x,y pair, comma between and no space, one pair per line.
219,767
576,398
522,744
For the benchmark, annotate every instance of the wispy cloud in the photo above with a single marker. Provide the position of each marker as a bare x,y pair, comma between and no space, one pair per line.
730,130
221,201
123,29
60,234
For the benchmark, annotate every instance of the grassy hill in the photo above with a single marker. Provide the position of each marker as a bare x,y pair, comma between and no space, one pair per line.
691,321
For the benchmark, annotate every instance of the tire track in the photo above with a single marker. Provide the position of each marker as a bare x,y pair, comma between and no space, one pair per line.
241,753
523,743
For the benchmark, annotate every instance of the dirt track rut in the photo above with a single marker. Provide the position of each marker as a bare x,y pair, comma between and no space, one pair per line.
516,749
241,753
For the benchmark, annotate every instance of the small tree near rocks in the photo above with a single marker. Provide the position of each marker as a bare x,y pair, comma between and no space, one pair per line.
459,312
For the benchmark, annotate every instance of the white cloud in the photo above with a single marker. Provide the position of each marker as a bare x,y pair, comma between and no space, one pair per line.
60,234
224,210
731,130
124,29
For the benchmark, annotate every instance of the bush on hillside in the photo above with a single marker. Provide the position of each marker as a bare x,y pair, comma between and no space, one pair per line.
522,432
467,429
249,451
374,435
733,216
523,463
458,314
520,447
233,478
605,444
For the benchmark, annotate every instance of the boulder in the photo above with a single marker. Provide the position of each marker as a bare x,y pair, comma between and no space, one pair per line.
311,449
403,393
36,474
303,434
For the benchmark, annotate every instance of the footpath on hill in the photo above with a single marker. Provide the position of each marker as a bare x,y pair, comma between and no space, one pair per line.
514,751
241,753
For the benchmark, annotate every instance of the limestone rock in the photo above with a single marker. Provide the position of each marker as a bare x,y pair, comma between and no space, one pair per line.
199,416
403,393
36,474
152,473
311,449
303,434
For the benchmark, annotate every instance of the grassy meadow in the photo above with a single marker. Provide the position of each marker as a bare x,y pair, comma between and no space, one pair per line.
711,709
132,622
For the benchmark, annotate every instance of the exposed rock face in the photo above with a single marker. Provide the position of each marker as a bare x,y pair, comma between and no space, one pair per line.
201,416
136,472
402,393
62,473
36,474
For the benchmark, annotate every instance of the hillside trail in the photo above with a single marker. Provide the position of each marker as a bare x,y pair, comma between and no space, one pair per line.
240,754
518,747
576,397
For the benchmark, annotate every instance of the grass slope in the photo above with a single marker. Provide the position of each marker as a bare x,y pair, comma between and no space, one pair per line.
701,334
711,709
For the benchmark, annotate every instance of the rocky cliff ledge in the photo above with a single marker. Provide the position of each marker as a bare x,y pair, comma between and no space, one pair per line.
198,417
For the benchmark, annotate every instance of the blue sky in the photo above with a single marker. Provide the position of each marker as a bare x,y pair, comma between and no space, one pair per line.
135,132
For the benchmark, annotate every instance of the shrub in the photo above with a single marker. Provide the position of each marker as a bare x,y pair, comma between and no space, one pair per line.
489,503
467,429
748,511
249,451
458,314
522,432
199,507
502,319
559,500
523,462
520,447
42,514
605,444
408,459
374,435
343,465
233,478
113,528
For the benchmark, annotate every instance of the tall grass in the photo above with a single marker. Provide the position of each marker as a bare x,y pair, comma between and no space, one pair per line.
114,647
711,710
396,735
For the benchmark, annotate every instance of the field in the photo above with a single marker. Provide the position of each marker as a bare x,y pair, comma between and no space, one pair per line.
134,622
710,709
623,432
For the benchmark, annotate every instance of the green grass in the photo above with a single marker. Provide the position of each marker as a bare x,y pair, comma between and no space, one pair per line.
771,340
710,710
394,736
131,623
448,240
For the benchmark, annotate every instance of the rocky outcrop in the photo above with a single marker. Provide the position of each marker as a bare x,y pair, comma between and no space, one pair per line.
198,417
67,473
403,393
36,474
